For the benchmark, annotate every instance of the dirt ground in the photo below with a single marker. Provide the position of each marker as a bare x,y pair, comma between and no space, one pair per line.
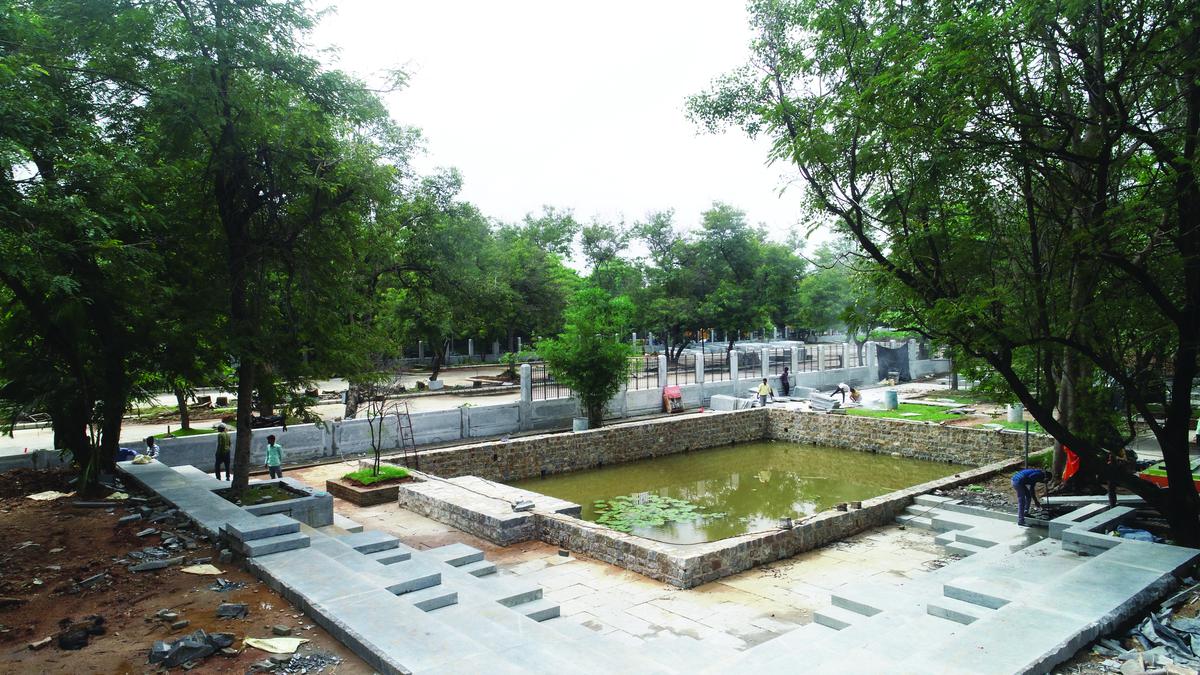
48,547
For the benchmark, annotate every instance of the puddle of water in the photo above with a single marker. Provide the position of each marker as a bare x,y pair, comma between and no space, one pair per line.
752,484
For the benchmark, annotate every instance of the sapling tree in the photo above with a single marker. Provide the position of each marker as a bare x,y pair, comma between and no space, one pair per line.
585,357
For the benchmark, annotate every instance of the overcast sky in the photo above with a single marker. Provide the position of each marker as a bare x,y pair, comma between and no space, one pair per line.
576,105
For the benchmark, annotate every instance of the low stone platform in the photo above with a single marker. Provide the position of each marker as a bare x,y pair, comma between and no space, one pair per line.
481,507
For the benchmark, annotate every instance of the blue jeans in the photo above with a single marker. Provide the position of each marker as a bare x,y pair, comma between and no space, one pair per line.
275,471
1024,497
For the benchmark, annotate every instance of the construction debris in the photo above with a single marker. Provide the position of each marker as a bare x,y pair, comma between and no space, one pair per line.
190,648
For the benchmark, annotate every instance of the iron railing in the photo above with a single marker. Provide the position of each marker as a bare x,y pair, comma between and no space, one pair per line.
544,388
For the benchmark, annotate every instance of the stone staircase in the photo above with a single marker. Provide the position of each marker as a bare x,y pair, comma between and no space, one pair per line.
1018,601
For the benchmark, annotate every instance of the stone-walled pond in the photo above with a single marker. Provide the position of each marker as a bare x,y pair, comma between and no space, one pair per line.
713,494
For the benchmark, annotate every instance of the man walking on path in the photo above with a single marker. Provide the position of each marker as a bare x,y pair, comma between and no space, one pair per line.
1025,483
222,453
274,458
764,390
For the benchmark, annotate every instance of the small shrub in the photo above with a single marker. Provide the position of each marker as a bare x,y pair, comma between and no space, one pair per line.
365,477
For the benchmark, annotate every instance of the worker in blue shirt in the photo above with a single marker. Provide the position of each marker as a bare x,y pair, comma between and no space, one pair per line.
1025,483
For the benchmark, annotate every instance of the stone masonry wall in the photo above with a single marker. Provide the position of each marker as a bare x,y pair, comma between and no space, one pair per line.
686,566
919,440
558,453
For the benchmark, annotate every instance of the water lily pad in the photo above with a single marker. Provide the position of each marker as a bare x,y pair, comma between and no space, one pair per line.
626,512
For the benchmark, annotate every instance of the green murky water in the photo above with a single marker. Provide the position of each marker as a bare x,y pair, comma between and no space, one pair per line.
751,486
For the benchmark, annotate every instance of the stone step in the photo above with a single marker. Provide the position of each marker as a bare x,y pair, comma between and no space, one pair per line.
514,597
957,611
946,537
962,548
854,605
539,610
457,554
346,524
249,529
680,653
431,598
479,568
973,594
269,545
919,522
370,541
931,500
982,537
836,618
390,556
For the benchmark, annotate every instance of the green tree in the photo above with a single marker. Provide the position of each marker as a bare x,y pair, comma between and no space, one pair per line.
585,356
1022,177
284,161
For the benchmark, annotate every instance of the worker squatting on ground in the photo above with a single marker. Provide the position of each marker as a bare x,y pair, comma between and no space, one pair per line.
1025,483
845,389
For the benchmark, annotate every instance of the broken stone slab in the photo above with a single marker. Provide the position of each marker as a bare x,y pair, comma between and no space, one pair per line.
232,610
192,647
180,624
133,517
146,532
281,630
155,564
34,646
200,561
92,505
12,602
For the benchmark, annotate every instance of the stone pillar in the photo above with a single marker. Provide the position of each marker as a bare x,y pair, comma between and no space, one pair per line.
700,368
496,349
519,348
526,382
794,357
872,359
775,332
662,370
765,361
420,349
733,365
470,348
633,340
819,350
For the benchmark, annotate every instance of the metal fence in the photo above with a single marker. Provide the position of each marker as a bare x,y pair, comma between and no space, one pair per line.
643,372
544,386
749,365
806,359
833,354
716,366
682,371
854,356
777,360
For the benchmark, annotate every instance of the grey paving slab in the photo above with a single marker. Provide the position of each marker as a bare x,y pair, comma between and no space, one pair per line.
269,545
261,527
369,541
456,554
1159,557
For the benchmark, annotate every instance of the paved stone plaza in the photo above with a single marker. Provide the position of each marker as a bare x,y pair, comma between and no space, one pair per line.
410,595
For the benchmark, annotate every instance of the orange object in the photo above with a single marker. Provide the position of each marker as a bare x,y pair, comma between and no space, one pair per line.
1072,464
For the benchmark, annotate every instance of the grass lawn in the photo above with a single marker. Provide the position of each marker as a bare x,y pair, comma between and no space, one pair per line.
179,433
919,413
1034,427
961,397
386,472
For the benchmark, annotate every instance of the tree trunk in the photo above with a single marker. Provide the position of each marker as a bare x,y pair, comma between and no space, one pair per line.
185,421
439,354
241,454
354,394
595,414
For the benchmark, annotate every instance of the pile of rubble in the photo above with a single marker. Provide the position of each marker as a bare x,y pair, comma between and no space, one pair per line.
1164,642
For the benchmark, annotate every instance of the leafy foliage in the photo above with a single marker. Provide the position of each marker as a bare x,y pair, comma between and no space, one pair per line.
627,512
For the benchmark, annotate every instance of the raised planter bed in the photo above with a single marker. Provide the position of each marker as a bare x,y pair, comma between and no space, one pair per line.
383,492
